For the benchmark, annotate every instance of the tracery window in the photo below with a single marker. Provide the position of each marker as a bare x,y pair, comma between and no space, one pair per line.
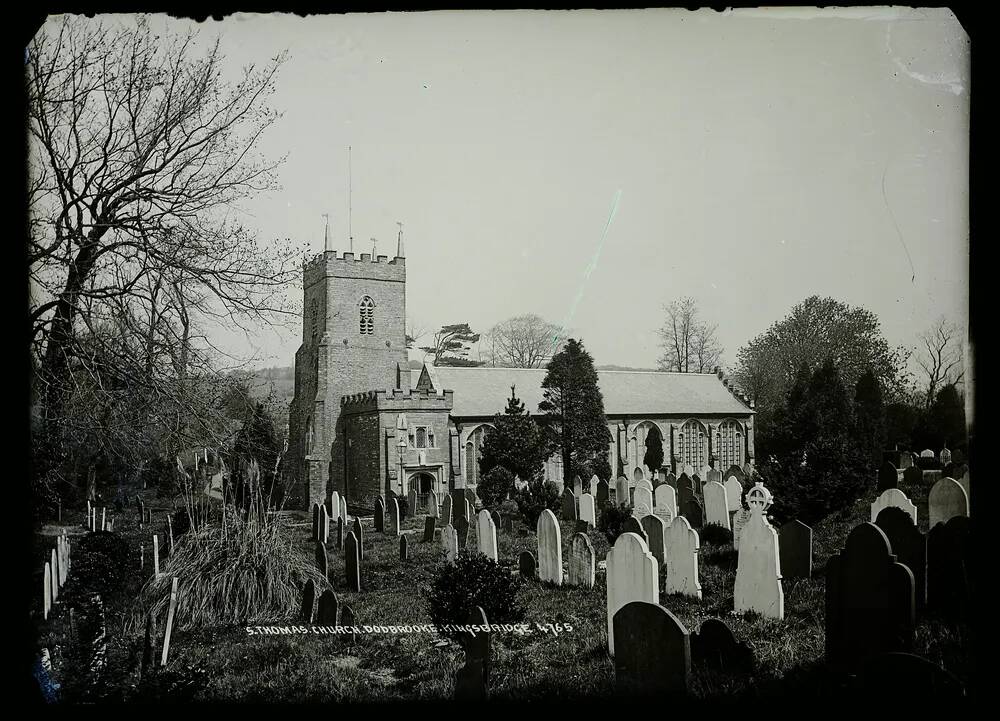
729,442
367,321
693,445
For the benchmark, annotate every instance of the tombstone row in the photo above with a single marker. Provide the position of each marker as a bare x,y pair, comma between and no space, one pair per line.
55,572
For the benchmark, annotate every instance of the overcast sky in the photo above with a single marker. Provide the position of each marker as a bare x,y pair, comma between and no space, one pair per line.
761,157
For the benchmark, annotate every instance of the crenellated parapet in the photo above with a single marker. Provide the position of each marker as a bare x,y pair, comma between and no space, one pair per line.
348,265
397,400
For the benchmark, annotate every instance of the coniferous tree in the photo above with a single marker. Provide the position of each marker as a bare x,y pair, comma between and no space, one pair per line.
653,457
574,412
946,419
516,442
869,416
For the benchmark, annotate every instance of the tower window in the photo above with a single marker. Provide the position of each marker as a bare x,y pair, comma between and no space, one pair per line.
367,316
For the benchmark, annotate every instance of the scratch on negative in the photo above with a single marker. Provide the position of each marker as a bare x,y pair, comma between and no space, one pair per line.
899,234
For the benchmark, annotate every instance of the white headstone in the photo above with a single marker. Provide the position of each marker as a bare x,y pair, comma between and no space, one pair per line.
577,486
716,504
621,492
594,480
927,453
343,510
549,548
945,457
632,575
54,569
644,483
449,541
895,498
432,505
46,590
393,517
587,509
446,515
681,556
947,499
740,519
734,494
703,473
758,569
643,501
335,506
665,502
156,556
486,535
411,501
689,470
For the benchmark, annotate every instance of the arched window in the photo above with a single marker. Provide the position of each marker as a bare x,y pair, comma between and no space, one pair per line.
471,463
367,323
729,442
693,444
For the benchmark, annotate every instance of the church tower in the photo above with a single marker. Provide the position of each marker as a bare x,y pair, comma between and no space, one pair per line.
353,341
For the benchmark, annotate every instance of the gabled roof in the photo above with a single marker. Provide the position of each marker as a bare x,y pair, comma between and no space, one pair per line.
484,391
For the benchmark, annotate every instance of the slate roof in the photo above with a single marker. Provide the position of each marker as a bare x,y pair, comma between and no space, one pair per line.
484,391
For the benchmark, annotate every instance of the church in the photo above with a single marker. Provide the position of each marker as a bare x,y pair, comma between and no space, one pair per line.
363,423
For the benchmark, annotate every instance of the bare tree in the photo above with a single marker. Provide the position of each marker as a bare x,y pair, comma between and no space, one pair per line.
941,357
138,152
525,341
689,345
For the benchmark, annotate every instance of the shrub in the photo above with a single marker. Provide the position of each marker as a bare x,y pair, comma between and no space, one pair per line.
535,498
613,519
101,564
473,580
715,534
495,486
248,571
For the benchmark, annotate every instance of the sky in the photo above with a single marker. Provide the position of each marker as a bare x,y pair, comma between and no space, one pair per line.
757,156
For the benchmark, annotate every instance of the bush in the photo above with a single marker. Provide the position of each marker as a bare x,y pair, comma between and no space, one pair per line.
250,571
495,486
715,534
612,520
101,564
473,580
535,498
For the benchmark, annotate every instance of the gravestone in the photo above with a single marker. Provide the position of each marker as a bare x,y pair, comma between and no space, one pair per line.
631,575
927,453
432,505
340,533
736,472
326,611
671,480
642,501
446,511
758,570
949,568
315,526
713,476
945,456
716,504
54,566
359,534
46,590
946,500
379,515
714,647
907,671
473,501
577,486
688,470
665,502
411,501
462,526
893,498
682,545
428,529
449,541
740,519
653,650
334,506
404,549
486,535
909,546
582,563
393,517
347,620
645,483
588,512
308,600
508,524
592,489
795,543
603,494
526,565
472,680
687,505
621,491
343,509
913,476
654,528
549,548
633,525
887,477
568,506
352,562
324,522
322,560
869,600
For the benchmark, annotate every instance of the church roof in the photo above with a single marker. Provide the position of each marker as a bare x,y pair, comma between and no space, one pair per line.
483,391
